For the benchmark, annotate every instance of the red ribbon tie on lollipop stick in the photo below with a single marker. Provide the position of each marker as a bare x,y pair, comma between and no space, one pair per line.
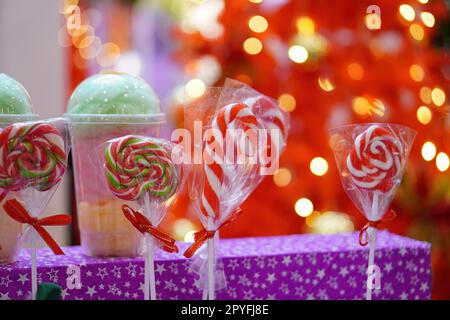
389,216
143,225
201,236
18,212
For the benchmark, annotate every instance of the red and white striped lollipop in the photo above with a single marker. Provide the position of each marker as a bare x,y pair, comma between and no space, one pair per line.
232,116
276,122
375,160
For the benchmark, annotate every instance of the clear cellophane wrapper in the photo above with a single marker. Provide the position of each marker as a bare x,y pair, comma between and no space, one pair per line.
129,175
33,162
104,231
371,159
240,175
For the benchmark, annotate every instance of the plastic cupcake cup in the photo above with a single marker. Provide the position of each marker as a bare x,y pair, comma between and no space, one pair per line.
104,231
103,107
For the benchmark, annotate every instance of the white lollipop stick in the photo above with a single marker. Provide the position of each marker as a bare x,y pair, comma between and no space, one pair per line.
371,232
149,278
211,259
33,264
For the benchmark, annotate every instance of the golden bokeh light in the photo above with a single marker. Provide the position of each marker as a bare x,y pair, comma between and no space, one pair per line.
407,12
416,72
355,71
325,84
252,46
318,166
108,54
330,222
377,107
181,227
416,31
189,236
423,1
438,96
428,151
361,106
255,1
424,115
298,54
305,25
442,161
195,88
425,95
287,102
258,24
428,19
282,177
304,207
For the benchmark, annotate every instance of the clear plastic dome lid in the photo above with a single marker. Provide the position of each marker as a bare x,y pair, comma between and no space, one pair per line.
113,94
14,98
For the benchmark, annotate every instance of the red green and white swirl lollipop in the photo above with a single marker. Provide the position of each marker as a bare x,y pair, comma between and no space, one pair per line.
31,155
136,165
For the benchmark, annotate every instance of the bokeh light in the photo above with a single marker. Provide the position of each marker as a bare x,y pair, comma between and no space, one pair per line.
330,222
428,19
282,177
424,115
416,31
428,151
438,96
287,102
416,73
195,88
355,71
361,106
252,46
442,161
304,207
258,24
181,227
318,166
298,54
325,84
305,25
407,12
425,95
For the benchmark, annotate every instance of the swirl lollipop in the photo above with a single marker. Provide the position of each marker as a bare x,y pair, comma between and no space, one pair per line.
217,205
141,169
375,160
33,157
276,122
135,166
371,159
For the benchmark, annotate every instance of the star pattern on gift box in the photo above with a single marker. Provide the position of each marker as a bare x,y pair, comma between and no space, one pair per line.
290,267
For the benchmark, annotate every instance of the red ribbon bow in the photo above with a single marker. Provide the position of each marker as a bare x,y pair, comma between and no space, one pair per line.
390,215
143,225
18,212
201,236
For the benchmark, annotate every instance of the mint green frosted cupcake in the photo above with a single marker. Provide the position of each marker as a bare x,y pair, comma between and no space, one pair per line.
15,102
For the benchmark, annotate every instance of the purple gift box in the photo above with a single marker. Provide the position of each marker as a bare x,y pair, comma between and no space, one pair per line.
282,267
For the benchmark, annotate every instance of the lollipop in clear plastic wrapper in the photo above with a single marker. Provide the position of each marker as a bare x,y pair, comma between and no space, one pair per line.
33,160
15,106
141,169
371,159
231,168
